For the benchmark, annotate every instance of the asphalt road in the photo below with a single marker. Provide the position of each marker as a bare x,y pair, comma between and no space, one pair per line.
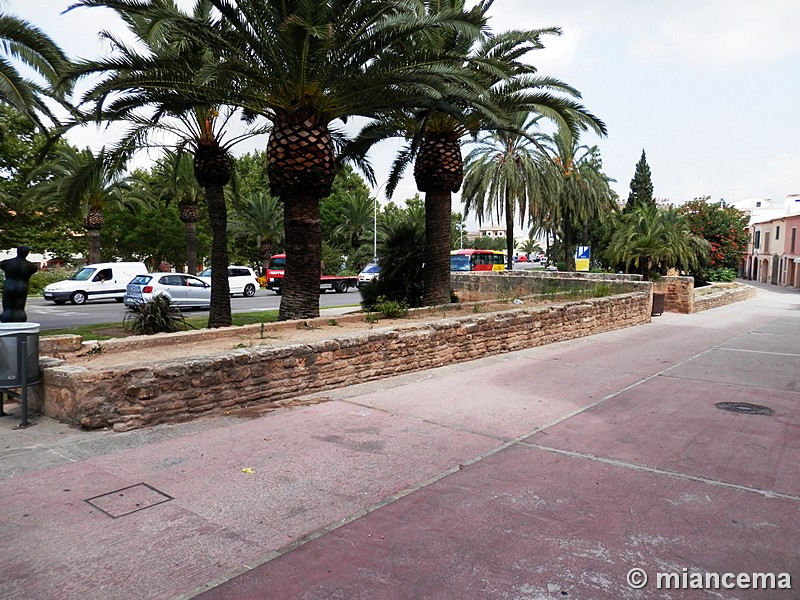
51,316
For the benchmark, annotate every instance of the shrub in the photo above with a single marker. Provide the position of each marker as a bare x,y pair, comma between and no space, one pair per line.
157,316
391,309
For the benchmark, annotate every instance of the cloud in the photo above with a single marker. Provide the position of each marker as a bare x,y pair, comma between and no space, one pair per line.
721,33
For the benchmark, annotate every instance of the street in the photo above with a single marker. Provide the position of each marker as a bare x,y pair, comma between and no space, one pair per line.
51,316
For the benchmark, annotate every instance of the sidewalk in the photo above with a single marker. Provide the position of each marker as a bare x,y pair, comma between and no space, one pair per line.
542,474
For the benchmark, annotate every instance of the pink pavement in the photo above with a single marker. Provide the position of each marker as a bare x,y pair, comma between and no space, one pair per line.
537,475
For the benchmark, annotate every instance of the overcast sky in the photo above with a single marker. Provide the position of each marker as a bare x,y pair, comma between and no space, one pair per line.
708,88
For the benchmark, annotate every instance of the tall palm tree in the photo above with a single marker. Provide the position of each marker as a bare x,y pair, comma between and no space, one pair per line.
175,182
153,86
584,191
500,84
82,182
30,46
305,66
503,176
258,217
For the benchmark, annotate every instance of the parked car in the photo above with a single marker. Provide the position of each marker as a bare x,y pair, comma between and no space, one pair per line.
242,280
184,291
102,281
368,273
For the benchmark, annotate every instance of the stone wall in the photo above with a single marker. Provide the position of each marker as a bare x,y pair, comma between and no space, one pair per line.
682,297
177,390
497,284
722,295
679,293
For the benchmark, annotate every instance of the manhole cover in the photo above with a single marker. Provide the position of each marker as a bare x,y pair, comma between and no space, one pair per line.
129,500
745,408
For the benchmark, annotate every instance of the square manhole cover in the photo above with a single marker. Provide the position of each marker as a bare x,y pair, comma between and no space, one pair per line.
128,500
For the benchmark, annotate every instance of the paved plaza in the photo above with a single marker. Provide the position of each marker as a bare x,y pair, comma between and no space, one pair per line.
569,471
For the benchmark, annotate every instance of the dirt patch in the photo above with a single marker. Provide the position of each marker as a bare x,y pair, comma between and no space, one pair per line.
160,348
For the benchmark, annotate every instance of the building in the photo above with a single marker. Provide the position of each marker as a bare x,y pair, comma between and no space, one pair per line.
773,253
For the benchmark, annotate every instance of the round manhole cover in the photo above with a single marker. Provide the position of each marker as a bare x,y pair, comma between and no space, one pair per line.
745,408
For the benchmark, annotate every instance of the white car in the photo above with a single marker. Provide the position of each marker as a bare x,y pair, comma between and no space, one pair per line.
370,272
184,291
242,280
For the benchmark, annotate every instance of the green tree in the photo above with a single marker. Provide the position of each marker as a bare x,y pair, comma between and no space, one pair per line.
584,195
22,221
651,240
504,176
175,182
304,66
641,193
725,229
500,84
258,219
28,45
81,182
160,73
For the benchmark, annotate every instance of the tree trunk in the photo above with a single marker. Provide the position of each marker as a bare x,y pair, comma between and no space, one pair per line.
303,229
94,246
569,246
437,247
220,312
509,232
191,247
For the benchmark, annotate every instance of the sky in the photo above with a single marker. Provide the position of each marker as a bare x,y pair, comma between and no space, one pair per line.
707,88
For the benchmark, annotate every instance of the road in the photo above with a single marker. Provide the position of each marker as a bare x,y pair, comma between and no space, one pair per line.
50,316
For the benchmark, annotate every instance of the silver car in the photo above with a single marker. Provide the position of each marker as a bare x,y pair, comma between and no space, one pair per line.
241,280
184,291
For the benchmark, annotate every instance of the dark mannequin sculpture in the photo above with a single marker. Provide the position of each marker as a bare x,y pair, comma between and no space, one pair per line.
18,271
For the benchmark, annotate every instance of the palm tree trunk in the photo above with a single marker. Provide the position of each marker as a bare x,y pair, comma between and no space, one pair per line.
94,246
437,247
220,312
569,248
509,232
191,247
303,229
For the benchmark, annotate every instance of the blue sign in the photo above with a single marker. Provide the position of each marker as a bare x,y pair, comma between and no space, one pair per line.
582,252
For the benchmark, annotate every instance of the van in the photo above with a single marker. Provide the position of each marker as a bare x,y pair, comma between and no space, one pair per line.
102,281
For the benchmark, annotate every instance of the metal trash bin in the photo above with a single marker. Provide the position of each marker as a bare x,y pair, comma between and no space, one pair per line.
12,336
658,304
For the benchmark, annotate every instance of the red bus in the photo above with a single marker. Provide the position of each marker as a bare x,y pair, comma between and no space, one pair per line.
477,260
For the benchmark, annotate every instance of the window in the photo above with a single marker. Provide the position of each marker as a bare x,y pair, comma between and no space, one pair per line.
794,235
778,232
758,204
757,243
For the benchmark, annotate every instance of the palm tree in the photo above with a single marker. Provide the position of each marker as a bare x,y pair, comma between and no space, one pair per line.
82,183
584,192
497,84
26,43
160,75
503,176
652,239
356,219
175,181
259,217
304,66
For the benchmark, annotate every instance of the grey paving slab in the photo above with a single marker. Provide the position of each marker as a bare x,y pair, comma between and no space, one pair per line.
757,369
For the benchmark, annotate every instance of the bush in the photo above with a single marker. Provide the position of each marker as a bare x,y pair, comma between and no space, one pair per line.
391,309
157,316
722,275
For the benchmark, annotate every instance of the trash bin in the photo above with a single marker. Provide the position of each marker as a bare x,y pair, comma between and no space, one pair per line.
658,304
13,336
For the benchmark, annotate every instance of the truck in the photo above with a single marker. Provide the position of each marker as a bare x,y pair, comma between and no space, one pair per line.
273,275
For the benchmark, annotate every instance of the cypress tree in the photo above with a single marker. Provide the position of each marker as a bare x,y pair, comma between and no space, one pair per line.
641,186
